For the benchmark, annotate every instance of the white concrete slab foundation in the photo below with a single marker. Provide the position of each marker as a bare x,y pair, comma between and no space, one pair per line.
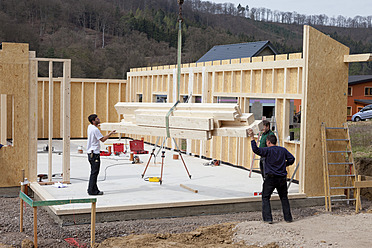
221,189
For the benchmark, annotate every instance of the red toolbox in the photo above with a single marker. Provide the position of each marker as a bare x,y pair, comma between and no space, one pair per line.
104,153
137,147
118,148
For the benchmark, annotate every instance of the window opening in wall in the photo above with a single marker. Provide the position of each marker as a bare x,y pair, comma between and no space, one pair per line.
198,99
295,116
160,98
368,91
222,99
6,120
185,98
348,111
262,108
349,91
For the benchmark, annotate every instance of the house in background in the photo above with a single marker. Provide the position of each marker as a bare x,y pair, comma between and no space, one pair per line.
359,94
238,51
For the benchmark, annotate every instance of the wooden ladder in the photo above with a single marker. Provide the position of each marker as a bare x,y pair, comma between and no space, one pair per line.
338,164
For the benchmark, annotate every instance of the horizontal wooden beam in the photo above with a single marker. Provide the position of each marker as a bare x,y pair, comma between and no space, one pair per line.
363,184
358,57
194,123
131,107
216,115
235,131
129,128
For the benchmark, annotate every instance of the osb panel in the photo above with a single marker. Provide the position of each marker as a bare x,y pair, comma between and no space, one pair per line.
224,149
227,82
46,109
233,150
292,74
268,81
294,149
327,83
218,82
183,84
246,81
237,79
75,110
217,147
123,92
170,89
113,99
208,147
14,74
279,81
101,101
57,109
257,81
164,85
88,104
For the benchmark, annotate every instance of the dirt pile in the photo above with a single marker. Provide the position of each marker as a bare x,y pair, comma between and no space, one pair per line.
219,236
325,230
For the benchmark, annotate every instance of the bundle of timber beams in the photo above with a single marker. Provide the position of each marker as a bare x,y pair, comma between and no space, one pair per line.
188,120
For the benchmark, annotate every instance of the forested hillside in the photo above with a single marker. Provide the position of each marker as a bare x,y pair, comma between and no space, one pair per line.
105,38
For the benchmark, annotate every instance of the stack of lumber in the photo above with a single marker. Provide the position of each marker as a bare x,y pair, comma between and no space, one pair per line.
188,120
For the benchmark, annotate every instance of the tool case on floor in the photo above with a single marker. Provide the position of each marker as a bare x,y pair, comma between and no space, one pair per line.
137,147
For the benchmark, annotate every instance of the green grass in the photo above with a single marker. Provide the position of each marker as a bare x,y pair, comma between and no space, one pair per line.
361,138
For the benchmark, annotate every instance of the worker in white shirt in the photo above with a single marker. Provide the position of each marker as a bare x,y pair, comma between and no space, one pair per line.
93,150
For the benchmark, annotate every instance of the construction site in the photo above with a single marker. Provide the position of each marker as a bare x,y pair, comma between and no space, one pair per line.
186,162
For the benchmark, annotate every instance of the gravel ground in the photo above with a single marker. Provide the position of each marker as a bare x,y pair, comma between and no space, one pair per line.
51,234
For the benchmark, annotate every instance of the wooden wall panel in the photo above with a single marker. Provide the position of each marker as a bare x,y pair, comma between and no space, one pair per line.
326,79
14,74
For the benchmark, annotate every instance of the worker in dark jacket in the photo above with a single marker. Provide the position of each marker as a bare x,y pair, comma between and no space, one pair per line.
266,131
276,160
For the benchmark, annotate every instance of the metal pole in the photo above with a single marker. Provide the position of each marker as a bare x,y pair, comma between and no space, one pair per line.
180,2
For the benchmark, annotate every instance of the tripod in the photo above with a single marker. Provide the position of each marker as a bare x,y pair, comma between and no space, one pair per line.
163,156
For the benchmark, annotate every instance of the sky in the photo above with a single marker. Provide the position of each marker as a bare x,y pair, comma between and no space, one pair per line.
347,8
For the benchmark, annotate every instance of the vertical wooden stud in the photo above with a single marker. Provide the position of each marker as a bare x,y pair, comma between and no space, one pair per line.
33,122
3,119
66,120
93,225
50,122
35,227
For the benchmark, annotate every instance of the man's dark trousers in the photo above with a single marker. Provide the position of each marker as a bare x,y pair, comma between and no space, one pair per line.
95,163
262,167
270,183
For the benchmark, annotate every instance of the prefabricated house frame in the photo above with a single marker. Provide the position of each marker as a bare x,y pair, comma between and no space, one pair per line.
318,77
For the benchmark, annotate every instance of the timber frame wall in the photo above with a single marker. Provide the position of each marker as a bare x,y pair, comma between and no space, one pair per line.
318,77
88,96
